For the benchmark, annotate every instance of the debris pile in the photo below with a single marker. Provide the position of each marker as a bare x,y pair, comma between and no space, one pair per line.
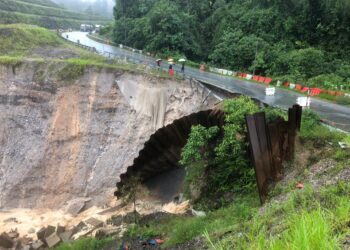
52,236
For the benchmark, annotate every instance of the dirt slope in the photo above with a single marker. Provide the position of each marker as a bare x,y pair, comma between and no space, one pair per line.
61,141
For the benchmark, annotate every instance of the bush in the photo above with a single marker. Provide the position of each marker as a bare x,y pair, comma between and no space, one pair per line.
326,81
220,159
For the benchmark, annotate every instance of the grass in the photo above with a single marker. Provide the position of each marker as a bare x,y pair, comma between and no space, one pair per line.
179,230
50,22
85,244
19,39
309,219
10,61
44,13
44,10
316,217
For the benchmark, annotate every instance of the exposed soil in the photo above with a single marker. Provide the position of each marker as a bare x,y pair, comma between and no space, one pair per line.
62,141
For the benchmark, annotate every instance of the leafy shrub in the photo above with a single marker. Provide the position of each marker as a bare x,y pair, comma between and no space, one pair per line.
326,81
220,159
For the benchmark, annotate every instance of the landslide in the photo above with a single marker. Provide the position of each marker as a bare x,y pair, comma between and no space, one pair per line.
62,140
71,122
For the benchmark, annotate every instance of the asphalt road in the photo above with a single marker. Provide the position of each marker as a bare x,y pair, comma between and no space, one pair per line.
336,115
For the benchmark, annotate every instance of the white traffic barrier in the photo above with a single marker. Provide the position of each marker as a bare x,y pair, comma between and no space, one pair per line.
270,91
292,86
279,83
304,101
229,72
249,77
224,72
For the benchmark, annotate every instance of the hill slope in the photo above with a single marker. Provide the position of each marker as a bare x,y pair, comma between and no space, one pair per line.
43,13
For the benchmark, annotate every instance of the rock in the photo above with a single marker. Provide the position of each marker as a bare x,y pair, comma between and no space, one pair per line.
60,229
41,234
5,241
26,247
37,245
66,236
53,240
49,231
26,240
79,227
31,230
116,220
13,234
11,219
74,207
108,231
94,222
112,209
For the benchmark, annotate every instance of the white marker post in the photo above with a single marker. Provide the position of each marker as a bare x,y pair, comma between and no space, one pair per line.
270,91
304,101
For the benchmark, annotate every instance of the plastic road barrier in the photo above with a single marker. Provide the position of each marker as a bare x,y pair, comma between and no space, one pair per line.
304,101
270,91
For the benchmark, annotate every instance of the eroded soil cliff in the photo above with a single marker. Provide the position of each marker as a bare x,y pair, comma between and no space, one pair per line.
64,140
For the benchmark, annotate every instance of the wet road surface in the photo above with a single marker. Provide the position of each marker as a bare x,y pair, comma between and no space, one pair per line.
336,115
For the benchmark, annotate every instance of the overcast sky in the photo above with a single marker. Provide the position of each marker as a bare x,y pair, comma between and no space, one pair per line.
111,1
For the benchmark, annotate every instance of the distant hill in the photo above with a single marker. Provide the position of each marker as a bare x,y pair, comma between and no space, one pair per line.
98,7
44,13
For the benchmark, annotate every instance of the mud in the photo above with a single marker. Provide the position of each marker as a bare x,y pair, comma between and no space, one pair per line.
60,141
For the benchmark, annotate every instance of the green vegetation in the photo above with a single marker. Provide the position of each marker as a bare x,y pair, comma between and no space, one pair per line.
35,9
19,39
315,217
44,13
47,3
85,244
22,43
308,219
215,158
303,41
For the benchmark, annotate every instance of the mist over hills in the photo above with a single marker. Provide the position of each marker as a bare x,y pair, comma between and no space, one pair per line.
46,13
96,7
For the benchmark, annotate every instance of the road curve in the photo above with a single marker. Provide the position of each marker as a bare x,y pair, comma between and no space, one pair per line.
336,115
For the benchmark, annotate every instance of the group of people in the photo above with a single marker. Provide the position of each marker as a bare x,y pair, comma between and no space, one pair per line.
171,64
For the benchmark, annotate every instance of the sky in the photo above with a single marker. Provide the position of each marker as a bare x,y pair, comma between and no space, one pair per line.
91,1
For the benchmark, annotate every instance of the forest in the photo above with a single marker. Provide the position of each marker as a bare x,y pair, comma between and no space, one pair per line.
297,40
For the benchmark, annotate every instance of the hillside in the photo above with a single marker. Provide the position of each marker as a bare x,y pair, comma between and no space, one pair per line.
44,13
303,41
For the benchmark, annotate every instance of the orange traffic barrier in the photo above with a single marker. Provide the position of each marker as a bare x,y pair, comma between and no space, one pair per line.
298,87
256,78
261,79
268,80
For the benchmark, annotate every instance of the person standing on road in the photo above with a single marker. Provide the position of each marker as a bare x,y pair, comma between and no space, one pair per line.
158,63
171,70
183,68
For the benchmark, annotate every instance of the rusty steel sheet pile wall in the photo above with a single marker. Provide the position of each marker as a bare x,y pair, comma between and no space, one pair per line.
271,145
